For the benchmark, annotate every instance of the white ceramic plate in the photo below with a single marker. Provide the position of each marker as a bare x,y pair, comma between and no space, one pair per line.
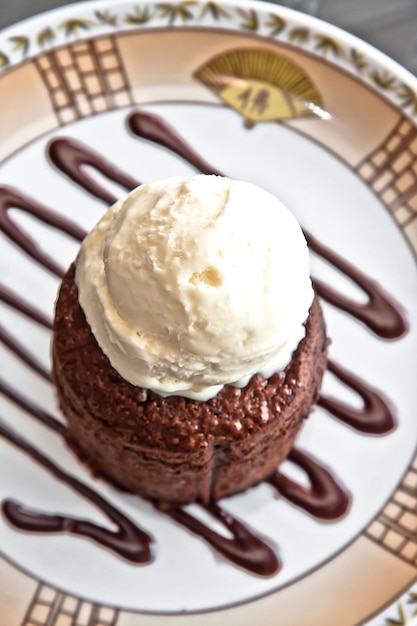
326,123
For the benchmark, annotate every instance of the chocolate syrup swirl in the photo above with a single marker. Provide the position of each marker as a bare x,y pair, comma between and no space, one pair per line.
325,498
382,314
128,541
154,129
32,409
23,354
12,199
245,549
17,303
71,157
376,417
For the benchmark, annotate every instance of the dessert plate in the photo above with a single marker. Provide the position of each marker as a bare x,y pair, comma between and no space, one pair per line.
99,93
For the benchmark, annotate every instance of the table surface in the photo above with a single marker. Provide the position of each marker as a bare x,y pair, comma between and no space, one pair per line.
390,25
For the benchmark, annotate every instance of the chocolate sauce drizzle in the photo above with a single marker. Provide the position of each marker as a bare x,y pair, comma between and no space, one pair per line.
24,354
377,417
12,199
325,498
128,541
382,314
17,303
32,409
246,549
72,157
154,129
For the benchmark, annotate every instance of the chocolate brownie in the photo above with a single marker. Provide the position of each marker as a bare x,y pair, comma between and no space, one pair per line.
177,449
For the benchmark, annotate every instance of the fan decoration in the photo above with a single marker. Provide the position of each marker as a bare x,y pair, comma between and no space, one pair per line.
261,85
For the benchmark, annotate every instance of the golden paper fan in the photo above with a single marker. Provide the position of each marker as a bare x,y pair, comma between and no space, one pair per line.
261,85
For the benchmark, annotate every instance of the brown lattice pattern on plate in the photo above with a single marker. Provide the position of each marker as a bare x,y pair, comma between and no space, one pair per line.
396,526
391,171
85,78
50,607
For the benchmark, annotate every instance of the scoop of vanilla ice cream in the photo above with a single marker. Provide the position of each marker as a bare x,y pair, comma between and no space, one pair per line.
192,283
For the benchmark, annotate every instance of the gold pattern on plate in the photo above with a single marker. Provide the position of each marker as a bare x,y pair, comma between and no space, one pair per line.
84,78
261,85
391,172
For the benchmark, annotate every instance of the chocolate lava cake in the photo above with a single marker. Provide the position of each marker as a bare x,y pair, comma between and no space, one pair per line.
174,448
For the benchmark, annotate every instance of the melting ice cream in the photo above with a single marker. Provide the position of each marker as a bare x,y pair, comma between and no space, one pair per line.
189,284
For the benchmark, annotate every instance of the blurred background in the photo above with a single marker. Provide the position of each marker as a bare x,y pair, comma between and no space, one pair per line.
390,25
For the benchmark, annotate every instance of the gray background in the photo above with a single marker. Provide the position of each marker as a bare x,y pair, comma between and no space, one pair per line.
390,25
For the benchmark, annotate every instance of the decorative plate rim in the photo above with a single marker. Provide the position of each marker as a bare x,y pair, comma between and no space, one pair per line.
87,20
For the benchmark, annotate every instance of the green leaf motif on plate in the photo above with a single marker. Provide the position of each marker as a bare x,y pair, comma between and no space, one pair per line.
357,59
107,17
250,19
215,10
139,17
401,621
409,98
383,80
300,35
74,26
277,24
328,45
46,36
20,43
4,60
180,10
412,599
